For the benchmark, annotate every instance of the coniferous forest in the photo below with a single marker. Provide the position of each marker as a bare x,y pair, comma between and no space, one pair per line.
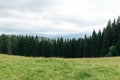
99,44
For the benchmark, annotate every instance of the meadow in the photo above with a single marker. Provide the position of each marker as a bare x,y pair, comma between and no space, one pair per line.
38,68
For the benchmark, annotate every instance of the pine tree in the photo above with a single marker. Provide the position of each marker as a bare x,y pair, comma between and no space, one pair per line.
107,40
93,44
118,47
99,44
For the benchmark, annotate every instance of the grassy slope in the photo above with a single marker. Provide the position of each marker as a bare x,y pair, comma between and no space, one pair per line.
23,68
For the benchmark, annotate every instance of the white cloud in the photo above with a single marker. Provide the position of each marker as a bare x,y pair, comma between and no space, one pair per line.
56,16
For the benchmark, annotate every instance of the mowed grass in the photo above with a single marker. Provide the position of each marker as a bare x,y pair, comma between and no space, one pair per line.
28,68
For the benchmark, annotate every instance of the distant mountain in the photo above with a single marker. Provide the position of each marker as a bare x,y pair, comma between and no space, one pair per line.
55,36
67,36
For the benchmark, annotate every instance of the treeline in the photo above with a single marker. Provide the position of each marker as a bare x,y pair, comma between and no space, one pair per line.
105,43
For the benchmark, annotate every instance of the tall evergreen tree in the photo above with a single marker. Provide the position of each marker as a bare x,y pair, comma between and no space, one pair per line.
107,40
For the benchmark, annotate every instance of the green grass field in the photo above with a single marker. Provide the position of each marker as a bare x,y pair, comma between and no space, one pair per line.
25,68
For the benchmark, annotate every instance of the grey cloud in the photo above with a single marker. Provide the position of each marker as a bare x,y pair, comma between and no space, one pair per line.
18,27
79,22
7,7
26,4
14,17
11,4
10,27
38,4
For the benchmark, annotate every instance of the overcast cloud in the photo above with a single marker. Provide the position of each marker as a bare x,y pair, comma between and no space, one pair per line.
56,16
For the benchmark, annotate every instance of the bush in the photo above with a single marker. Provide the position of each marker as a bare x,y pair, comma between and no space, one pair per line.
112,51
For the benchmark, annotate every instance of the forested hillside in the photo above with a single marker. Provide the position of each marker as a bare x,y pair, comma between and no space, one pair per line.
105,43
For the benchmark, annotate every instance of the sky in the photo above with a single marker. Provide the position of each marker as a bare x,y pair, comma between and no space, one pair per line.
56,17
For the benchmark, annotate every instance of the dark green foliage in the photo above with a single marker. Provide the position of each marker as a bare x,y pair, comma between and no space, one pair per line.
112,51
107,38
94,44
118,47
3,43
99,44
